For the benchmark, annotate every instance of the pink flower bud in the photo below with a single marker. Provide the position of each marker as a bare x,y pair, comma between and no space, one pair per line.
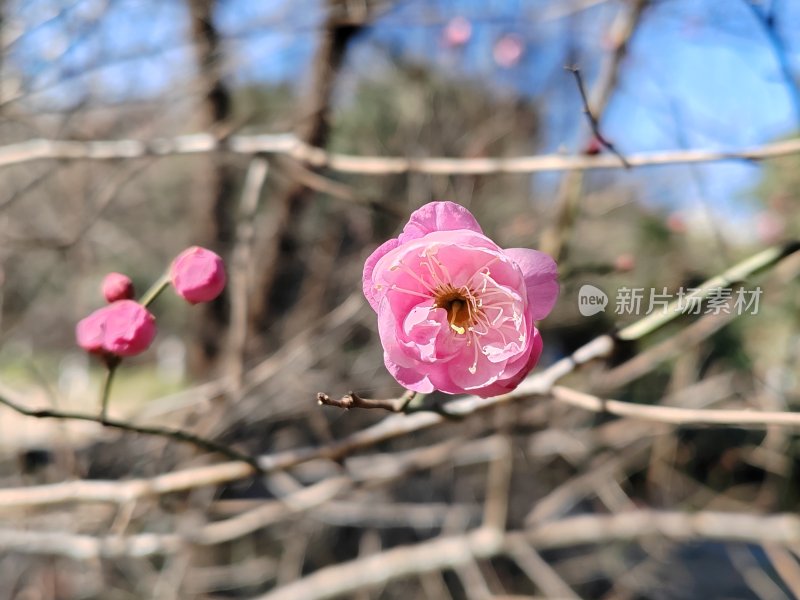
769,227
457,32
508,50
117,286
594,147
129,328
625,262
123,328
676,223
89,331
198,275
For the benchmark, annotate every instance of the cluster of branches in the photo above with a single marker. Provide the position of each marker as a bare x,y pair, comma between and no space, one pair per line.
341,484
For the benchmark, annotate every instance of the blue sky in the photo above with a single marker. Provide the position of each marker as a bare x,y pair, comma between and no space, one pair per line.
699,73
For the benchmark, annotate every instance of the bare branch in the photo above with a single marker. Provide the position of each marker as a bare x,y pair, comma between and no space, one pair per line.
87,547
241,257
287,144
175,434
353,400
737,273
592,119
426,557
537,570
735,527
674,415
766,19
450,552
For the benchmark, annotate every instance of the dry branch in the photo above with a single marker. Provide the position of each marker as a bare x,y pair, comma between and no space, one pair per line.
449,552
289,145
674,415
179,435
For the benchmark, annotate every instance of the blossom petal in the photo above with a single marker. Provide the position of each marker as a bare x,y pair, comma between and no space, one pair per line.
485,372
438,216
369,266
409,377
541,279
504,386
398,356
422,327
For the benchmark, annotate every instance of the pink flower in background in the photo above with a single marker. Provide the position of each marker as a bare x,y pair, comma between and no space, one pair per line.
457,32
770,227
676,223
625,262
198,275
123,328
455,311
508,50
117,286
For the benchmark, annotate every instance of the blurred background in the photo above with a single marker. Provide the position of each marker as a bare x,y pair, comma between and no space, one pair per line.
407,79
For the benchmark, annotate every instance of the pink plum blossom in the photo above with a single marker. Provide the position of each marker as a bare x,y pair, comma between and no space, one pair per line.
456,312
770,227
457,32
676,223
508,50
123,328
625,262
198,275
117,286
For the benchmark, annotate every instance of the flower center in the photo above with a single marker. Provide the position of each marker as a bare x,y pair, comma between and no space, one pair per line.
460,306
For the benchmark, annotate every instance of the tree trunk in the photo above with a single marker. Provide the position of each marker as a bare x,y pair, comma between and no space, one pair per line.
215,181
282,260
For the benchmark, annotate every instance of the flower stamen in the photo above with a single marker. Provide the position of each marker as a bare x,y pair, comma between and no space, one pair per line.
461,307
455,309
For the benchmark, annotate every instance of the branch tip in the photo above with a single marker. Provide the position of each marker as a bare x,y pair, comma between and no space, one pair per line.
593,123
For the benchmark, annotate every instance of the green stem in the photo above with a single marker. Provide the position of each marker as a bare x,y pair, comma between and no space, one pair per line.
112,363
159,286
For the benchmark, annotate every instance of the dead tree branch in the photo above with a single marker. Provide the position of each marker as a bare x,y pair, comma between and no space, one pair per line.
593,123
289,145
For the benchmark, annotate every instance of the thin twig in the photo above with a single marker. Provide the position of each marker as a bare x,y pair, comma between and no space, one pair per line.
592,119
766,19
353,400
554,238
175,434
